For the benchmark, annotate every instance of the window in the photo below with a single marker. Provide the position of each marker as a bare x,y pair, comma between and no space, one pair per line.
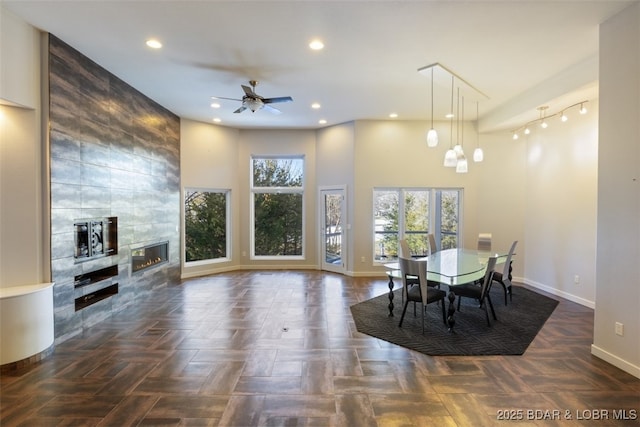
448,213
206,225
412,214
277,207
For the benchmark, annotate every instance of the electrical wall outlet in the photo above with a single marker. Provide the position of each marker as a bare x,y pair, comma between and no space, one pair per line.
576,279
362,259
619,329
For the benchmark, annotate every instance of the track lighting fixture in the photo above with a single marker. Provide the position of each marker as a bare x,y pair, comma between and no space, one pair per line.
583,109
543,117
543,109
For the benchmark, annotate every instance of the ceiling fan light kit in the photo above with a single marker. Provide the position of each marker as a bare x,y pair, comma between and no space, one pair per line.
254,102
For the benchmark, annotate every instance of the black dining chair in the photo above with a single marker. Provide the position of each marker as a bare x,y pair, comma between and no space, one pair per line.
504,278
479,292
410,269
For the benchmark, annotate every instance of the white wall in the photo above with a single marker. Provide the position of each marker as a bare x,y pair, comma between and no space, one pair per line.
19,61
335,165
560,206
209,160
22,245
278,142
501,195
395,154
618,254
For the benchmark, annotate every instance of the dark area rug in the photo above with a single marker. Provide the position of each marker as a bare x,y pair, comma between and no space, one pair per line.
517,325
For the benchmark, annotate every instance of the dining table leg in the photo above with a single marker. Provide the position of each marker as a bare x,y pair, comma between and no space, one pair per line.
452,309
390,296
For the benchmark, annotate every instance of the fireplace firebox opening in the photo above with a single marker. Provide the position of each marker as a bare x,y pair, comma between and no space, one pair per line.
149,256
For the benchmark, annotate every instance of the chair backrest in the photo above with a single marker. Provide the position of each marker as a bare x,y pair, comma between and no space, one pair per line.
507,263
404,252
484,241
488,277
432,244
410,269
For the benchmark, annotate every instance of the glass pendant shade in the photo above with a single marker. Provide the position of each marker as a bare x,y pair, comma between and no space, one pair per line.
450,158
458,150
478,155
461,165
432,138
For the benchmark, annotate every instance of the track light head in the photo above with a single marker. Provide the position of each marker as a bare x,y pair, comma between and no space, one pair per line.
583,109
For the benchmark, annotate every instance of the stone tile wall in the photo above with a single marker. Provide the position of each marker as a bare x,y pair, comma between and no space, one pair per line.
113,152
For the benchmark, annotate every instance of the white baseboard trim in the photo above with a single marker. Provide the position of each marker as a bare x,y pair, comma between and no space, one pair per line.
563,294
216,270
615,361
207,272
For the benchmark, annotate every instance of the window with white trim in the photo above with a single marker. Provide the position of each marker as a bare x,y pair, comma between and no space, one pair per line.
412,214
277,210
206,225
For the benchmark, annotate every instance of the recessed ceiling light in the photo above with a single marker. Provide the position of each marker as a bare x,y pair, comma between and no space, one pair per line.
315,105
215,105
154,44
322,121
393,115
217,120
316,45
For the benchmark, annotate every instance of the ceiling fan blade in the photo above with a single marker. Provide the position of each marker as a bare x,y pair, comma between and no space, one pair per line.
249,91
271,109
240,110
222,97
279,99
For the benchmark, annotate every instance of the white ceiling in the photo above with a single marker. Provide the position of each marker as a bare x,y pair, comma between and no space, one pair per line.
508,49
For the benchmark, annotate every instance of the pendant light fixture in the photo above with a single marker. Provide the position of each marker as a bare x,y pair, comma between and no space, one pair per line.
432,135
478,154
450,157
461,165
458,148
455,156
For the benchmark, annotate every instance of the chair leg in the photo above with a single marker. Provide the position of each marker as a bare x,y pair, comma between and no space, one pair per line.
486,314
404,311
504,288
492,310
459,299
424,308
444,314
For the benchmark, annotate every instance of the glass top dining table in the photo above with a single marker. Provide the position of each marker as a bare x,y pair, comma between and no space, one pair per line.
451,267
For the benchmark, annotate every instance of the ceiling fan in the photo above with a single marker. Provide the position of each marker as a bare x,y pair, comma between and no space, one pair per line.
254,102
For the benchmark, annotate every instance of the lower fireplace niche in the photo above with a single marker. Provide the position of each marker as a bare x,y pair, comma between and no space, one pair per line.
92,298
149,256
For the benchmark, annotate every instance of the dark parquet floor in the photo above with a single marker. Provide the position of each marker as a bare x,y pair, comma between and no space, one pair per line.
279,348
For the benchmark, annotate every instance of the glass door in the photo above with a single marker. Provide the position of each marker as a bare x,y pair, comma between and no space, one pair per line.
333,229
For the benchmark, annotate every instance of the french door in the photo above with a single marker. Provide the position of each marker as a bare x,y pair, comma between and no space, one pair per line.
333,214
